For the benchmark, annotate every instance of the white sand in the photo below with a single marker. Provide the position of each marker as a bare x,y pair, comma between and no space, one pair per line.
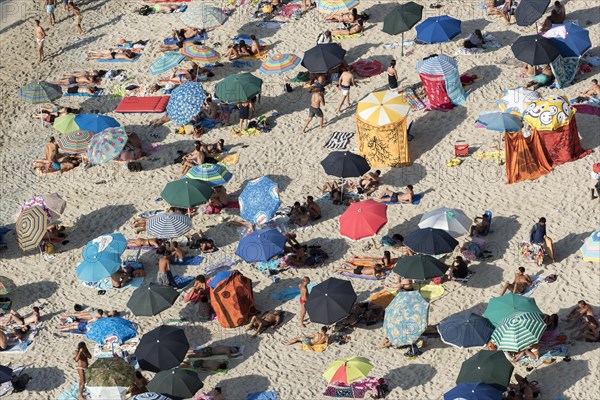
292,159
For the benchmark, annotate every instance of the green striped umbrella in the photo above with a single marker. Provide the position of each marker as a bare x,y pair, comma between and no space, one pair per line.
75,142
501,307
518,331
166,62
31,227
39,92
212,174
186,193
66,123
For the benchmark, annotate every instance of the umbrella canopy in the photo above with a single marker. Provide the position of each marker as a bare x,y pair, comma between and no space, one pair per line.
167,62
438,29
345,164
473,391
529,11
106,145
203,17
430,241
75,142
420,267
31,227
437,64
451,220
323,57
5,374
149,396
534,50
501,122
591,247
52,203
570,39
238,87
466,330
330,301
66,123
515,101
348,370
176,382
259,200
168,225
162,348
186,193
402,18
151,298
211,174
382,108
405,318
336,6
518,331
261,246
279,64
363,219
110,330
501,307
6,286
94,122
39,92
487,366
101,257
113,371
186,102
200,53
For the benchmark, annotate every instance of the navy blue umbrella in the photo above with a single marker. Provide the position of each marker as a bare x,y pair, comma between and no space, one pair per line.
430,241
570,39
473,391
466,330
261,246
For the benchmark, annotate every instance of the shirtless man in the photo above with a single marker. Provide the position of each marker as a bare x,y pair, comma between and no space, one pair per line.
210,110
164,265
50,7
117,54
593,91
317,100
303,298
210,351
177,253
312,207
312,340
78,17
369,182
192,159
395,197
51,152
579,312
522,280
345,82
219,197
481,227
375,271
40,35
31,319
270,319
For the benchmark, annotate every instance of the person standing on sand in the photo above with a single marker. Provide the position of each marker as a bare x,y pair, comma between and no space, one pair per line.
317,100
82,359
345,82
164,265
50,7
303,298
78,17
40,35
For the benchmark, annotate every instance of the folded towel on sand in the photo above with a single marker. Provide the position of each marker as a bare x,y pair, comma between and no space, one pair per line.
224,263
342,37
416,200
228,158
189,260
535,281
98,93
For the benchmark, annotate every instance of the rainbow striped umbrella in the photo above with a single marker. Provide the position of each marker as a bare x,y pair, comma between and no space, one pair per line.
200,53
591,247
336,6
212,174
75,142
106,145
203,17
39,92
6,285
31,227
279,63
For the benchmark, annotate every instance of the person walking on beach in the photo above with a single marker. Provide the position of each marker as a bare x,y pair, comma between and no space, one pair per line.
345,82
78,17
317,100
303,298
40,36
50,7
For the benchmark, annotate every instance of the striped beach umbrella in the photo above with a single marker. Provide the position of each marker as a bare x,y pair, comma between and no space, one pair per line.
6,286
518,331
166,62
591,247
440,64
66,123
186,102
106,145
75,142
212,174
52,203
203,54
279,63
31,227
382,108
336,6
39,92
203,17
168,225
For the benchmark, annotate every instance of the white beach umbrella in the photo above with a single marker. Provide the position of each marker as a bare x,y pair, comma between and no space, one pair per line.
451,220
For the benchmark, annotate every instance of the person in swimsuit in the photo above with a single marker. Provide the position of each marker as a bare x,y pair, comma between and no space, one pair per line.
458,269
320,337
392,76
91,90
397,197
77,80
520,283
480,227
303,298
271,319
64,164
78,17
529,70
351,30
375,271
244,114
533,352
335,194
50,7
256,48
396,283
345,82
82,326
118,54
474,40
344,17
579,313
180,36
369,182
164,267
590,332
314,211
192,159
3,341
219,198
542,79
139,385
82,357
204,352
90,316
31,319
40,36
317,100
206,365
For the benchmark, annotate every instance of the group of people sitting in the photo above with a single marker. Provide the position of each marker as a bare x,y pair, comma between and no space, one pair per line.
17,327
54,161
240,48
301,214
202,153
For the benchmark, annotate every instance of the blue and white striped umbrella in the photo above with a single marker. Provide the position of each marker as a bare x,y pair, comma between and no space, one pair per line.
166,62
168,225
39,92
437,65
186,102
259,200
203,17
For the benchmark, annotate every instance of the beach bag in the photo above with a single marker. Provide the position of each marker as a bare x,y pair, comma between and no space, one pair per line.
145,10
461,150
287,88
48,248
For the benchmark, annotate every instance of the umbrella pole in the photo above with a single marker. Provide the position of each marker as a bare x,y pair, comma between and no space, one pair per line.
402,46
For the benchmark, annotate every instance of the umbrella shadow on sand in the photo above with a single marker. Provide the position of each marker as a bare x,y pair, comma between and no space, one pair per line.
569,245
32,293
467,27
410,376
586,18
251,344
44,378
102,221
409,175
378,12
570,373
508,227
487,74
244,385
487,276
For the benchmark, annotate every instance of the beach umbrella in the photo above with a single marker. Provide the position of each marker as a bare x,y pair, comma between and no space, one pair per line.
405,318
518,331
31,227
451,220
487,366
570,39
501,307
95,122
105,392
529,11
168,225
111,330
591,247
259,200
261,245
167,62
203,17
500,121
330,301
402,19
52,203
279,64
466,330
382,108
211,174
66,123
75,142
238,87
515,100
200,53
344,164
438,29
111,371
323,57
348,370
473,391
430,241
336,6
437,64
186,193
176,382
151,299
420,267
106,145
101,257
5,374
534,50
39,92
6,286
149,396
186,102
363,219
162,348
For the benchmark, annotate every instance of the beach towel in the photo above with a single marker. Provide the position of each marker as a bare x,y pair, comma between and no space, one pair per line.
98,93
119,60
182,281
149,104
270,265
228,158
106,284
208,123
564,70
241,64
287,10
535,281
437,96
225,262
413,100
588,109
454,88
367,68
563,145
382,299
430,291
339,140
342,37
365,277
465,279
289,293
317,348
200,38
416,200
262,396
16,347
189,260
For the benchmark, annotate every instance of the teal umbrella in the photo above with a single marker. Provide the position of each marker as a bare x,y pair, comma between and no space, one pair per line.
501,307
406,318
238,87
166,62
186,193
518,331
39,92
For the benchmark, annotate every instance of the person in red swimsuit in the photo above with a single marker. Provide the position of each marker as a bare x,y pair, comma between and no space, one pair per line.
303,298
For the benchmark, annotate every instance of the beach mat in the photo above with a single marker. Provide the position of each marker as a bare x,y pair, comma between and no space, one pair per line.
317,348
382,299
228,158
416,200
466,278
119,60
224,263
149,104
535,281
289,293
16,347
339,140
106,284
189,260
182,281
97,94
430,291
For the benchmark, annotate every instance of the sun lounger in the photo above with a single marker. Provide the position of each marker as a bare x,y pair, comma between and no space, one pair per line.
150,104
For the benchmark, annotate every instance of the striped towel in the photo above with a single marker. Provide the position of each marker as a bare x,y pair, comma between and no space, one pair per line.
413,100
339,140
454,89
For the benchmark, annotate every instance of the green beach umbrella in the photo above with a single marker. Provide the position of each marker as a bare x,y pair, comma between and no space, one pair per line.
113,371
487,366
186,193
420,266
66,124
501,307
402,19
238,87
518,331
39,92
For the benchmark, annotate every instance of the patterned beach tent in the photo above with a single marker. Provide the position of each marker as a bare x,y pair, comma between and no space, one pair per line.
233,300
441,80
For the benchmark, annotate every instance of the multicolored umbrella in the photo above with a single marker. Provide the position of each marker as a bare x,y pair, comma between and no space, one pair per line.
430,241
101,257
186,193
75,142
420,267
179,383
238,87
168,225
438,29
162,348
591,247
348,370
336,6
363,219
571,39
66,123
439,64
95,122
151,299
261,245
6,286
52,203
212,174
111,330
203,17
501,307
279,64
106,145
330,301
186,102
31,227
487,366
259,200
515,100
406,318
165,63
200,53
39,92
473,391
466,330
451,220
500,122
112,371
518,331
382,108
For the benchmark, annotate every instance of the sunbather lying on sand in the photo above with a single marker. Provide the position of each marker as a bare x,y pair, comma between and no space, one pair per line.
31,319
270,319
395,283
91,315
374,271
158,8
369,182
91,90
395,197
237,50
64,164
523,389
50,114
92,74
206,365
352,30
209,351
347,17
320,337
590,332
72,80
543,79
116,54
82,326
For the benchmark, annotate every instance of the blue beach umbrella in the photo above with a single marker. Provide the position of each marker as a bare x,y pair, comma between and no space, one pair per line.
406,318
39,92
466,330
437,64
438,29
473,391
259,200
186,102
261,246
95,122
5,374
570,39
168,61
111,330
101,257
500,122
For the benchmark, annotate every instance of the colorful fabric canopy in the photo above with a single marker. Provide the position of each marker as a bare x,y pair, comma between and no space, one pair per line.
31,227
348,370
106,145
591,247
75,142
406,318
279,64
336,6
199,53
382,108
39,92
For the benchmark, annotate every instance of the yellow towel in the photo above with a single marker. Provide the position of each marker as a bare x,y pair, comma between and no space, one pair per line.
228,159
245,132
342,37
316,348
430,292
382,299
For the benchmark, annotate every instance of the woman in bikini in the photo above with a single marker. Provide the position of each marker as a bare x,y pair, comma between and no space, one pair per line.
344,17
375,271
117,54
82,357
392,76
352,30
335,194
76,80
192,159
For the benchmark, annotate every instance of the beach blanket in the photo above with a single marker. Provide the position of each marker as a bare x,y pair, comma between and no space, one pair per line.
263,396
241,64
535,281
189,260
228,158
270,265
552,345
430,291
287,10
365,277
367,68
106,284
72,393
119,60
413,100
342,37
317,348
182,281
437,97
382,299
416,200
225,262
564,70
16,347
289,293
98,93
588,109
491,44
108,350
356,390
466,278
339,140
455,89
208,123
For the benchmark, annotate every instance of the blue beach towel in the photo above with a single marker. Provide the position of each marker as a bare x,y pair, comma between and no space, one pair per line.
207,123
199,38
262,396
182,281
241,64
289,293
270,265
189,260
416,200
98,93
119,60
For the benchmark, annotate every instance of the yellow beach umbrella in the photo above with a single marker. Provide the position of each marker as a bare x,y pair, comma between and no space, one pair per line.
382,108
